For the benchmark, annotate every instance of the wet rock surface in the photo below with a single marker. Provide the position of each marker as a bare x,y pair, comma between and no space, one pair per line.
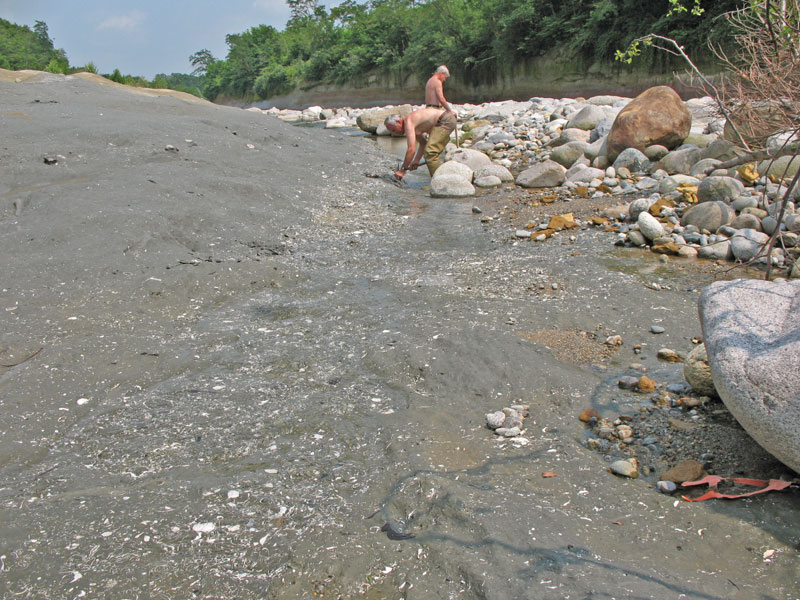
224,378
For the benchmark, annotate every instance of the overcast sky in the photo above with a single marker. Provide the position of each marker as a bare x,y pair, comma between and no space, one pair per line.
144,37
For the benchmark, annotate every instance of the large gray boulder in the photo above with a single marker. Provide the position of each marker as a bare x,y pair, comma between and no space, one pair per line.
783,166
453,167
587,118
679,161
474,159
580,173
632,159
495,170
451,186
722,149
716,188
709,215
718,250
567,154
596,148
752,336
544,174
570,135
747,243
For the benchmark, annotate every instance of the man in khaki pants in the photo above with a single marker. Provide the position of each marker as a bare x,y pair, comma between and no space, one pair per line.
438,123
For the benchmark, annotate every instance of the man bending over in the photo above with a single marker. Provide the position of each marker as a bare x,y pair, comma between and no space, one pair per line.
437,123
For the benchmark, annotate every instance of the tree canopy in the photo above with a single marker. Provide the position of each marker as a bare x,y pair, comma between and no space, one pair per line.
23,48
475,38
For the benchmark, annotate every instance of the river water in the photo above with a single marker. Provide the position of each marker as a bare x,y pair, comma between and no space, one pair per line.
325,437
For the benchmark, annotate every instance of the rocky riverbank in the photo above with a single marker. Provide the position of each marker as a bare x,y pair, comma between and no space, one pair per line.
661,161
687,204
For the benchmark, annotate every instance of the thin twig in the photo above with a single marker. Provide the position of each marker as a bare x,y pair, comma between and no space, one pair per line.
23,360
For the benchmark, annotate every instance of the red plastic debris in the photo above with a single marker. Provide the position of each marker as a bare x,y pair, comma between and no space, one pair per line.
712,481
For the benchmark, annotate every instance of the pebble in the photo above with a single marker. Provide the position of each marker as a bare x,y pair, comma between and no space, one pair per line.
509,421
679,388
624,432
626,468
657,329
668,355
588,415
692,401
203,527
508,431
645,385
666,487
495,419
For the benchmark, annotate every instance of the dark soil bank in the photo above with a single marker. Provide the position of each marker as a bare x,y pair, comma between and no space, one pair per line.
234,367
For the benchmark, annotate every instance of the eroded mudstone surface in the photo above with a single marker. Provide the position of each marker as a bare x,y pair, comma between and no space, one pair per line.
751,330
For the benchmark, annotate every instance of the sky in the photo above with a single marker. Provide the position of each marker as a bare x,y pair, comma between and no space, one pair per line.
144,37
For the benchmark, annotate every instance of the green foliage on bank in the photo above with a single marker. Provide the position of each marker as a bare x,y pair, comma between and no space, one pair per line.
477,39
23,48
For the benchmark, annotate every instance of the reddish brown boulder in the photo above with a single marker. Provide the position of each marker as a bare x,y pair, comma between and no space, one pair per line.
687,470
656,116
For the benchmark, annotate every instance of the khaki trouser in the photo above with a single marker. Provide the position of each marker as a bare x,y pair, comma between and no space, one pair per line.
437,140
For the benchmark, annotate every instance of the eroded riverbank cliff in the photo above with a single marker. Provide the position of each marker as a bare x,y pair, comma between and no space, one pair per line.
533,77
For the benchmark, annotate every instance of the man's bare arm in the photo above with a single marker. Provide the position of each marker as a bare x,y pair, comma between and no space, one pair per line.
422,140
411,149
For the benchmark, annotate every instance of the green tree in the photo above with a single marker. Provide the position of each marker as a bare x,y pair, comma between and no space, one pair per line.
302,9
248,54
477,39
22,48
201,60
